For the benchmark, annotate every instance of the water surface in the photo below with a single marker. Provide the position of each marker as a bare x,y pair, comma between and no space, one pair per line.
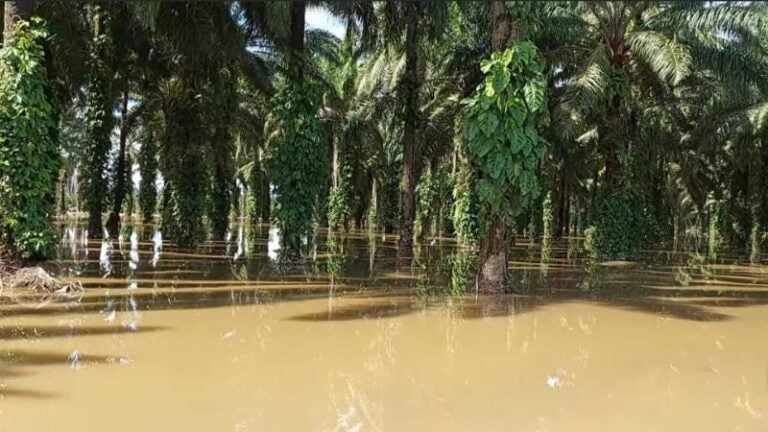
228,338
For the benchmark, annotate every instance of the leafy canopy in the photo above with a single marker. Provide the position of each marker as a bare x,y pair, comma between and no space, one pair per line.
502,120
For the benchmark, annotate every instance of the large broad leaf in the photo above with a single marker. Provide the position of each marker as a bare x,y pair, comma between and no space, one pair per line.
488,123
533,91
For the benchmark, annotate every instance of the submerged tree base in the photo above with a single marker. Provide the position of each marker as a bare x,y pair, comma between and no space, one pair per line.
33,285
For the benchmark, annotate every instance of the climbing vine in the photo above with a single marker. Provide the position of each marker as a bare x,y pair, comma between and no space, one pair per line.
292,159
222,172
221,102
465,222
387,210
148,169
339,210
621,225
502,120
29,157
183,144
98,120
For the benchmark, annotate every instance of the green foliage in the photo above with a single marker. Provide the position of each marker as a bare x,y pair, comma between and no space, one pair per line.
183,146
29,158
222,173
148,169
387,210
221,102
502,120
465,206
338,199
98,121
464,267
427,198
713,237
337,260
293,163
621,225
547,215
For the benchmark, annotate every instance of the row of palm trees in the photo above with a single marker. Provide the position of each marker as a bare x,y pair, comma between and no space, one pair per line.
661,103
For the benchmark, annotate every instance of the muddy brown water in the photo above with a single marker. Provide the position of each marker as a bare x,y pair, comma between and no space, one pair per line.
226,338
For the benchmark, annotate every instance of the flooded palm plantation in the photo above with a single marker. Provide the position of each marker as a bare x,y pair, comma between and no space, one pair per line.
225,337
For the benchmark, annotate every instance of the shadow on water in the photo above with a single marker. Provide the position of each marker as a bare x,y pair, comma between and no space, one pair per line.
12,360
363,267
45,332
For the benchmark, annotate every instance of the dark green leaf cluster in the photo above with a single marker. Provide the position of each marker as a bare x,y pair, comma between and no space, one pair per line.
465,209
293,163
621,225
148,166
98,119
29,157
502,120
339,210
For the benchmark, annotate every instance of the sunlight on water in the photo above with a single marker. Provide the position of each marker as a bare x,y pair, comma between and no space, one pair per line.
157,247
273,246
105,256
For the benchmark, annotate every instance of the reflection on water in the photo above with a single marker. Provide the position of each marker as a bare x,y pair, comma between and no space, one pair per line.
225,337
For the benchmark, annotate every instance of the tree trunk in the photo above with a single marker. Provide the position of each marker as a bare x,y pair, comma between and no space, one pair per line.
266,198
493,273
113,222
411,85
561,214
612,134
502,30
298,11
62,192
13,12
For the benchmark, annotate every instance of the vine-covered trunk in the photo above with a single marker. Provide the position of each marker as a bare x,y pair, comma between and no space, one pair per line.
411,85
29,156
98,119
757,195
183,147
221,196
113,222
147,188
493,273
612,136
298,11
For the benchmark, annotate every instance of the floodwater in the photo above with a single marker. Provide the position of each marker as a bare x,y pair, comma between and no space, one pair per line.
226,338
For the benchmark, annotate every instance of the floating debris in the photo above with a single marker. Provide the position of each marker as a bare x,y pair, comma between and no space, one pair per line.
553,381
74,359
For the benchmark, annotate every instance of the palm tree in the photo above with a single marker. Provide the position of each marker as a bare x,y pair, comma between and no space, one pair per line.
405,25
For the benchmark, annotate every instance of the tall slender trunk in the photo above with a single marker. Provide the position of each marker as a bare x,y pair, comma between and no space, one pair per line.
493,273
113,222
613,134
561,214
373,208
298,11
411,85
61,198
98,99
13,12
266,198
